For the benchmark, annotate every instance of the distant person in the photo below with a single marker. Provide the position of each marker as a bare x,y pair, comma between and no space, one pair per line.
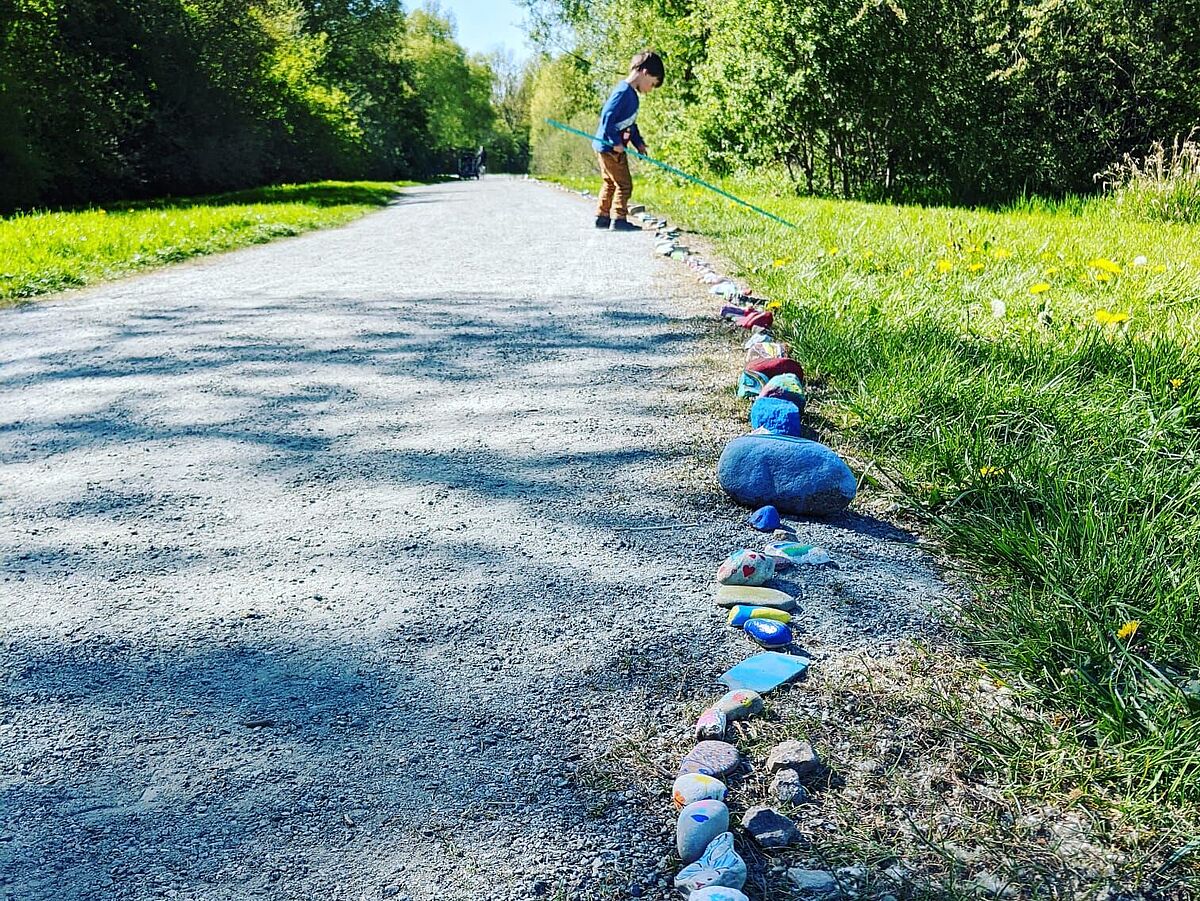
480,161
618,129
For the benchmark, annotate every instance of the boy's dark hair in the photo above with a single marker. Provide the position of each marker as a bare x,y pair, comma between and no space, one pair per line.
649,62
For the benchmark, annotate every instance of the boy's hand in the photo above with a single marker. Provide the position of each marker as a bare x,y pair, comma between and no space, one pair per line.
642,150
618,148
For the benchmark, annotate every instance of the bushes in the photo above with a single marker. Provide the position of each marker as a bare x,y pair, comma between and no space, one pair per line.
968,101
100,101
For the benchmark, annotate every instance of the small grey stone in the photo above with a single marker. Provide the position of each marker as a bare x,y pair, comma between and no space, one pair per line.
788,788
798,756
770,828
814,883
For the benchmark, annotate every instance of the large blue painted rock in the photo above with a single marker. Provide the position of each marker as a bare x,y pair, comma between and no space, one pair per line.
795,475
776,415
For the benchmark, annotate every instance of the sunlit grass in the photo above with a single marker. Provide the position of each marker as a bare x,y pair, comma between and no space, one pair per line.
43,252
1029,379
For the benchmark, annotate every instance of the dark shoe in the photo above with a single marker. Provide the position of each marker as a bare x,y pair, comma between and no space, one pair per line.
603,222
622,225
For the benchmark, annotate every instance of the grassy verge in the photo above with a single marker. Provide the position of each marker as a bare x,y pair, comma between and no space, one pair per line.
43,252
1028,380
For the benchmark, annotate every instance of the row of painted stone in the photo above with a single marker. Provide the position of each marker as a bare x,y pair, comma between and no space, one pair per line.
773,464
802,477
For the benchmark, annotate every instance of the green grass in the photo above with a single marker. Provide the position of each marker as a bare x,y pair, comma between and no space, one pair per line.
1031,384
43,252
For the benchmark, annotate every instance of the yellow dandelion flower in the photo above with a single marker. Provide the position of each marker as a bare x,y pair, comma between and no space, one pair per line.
1001,254
774,305
1102,276
781,262
987,471
1039,288
1105,266
1129,630
974,248
976,267
867,254
832,251
909,272
944,265
1053,270
1160,268
1105,317
1176,383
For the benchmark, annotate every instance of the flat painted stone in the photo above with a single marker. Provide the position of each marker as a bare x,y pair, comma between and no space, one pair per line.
699,823
786,553
732,595
796,476
725,288
692,787
746,567
764,672
765,519
768,633
711,758
743,613
740,704
718,893
779,417
710,724
718,865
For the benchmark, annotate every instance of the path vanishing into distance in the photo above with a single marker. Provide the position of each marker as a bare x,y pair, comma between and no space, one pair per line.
333,568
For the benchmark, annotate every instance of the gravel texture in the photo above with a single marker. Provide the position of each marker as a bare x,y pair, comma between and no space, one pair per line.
327,570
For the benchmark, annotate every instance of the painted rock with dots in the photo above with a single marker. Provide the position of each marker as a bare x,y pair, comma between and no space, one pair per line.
740,704
692,787
768,633
746,567
711,758
711,724
719,865
699,823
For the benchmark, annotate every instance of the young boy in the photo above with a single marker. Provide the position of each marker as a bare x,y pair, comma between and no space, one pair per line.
617,129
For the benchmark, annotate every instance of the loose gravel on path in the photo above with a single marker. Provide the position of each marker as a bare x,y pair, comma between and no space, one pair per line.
329,568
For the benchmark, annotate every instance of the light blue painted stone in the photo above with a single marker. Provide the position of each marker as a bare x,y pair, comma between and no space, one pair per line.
796,476
764,672
699,823
776,415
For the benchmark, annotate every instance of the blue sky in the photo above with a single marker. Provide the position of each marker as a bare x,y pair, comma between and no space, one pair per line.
485,25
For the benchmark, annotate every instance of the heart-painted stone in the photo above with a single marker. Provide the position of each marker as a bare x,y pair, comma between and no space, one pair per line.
745,567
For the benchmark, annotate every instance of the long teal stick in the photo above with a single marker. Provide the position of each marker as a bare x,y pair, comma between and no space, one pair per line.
674,171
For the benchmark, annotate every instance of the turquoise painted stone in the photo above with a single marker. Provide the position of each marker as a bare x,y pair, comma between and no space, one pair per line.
699,823
785,553
768,633
764,672
718,865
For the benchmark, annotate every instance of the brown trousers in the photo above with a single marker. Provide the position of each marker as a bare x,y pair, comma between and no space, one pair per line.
618,185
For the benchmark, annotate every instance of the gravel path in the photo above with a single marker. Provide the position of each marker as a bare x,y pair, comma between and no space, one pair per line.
326,571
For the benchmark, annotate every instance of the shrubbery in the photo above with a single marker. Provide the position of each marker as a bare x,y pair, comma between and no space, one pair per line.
975,101
103,100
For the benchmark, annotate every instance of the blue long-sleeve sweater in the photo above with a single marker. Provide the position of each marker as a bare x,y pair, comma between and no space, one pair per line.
618,114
